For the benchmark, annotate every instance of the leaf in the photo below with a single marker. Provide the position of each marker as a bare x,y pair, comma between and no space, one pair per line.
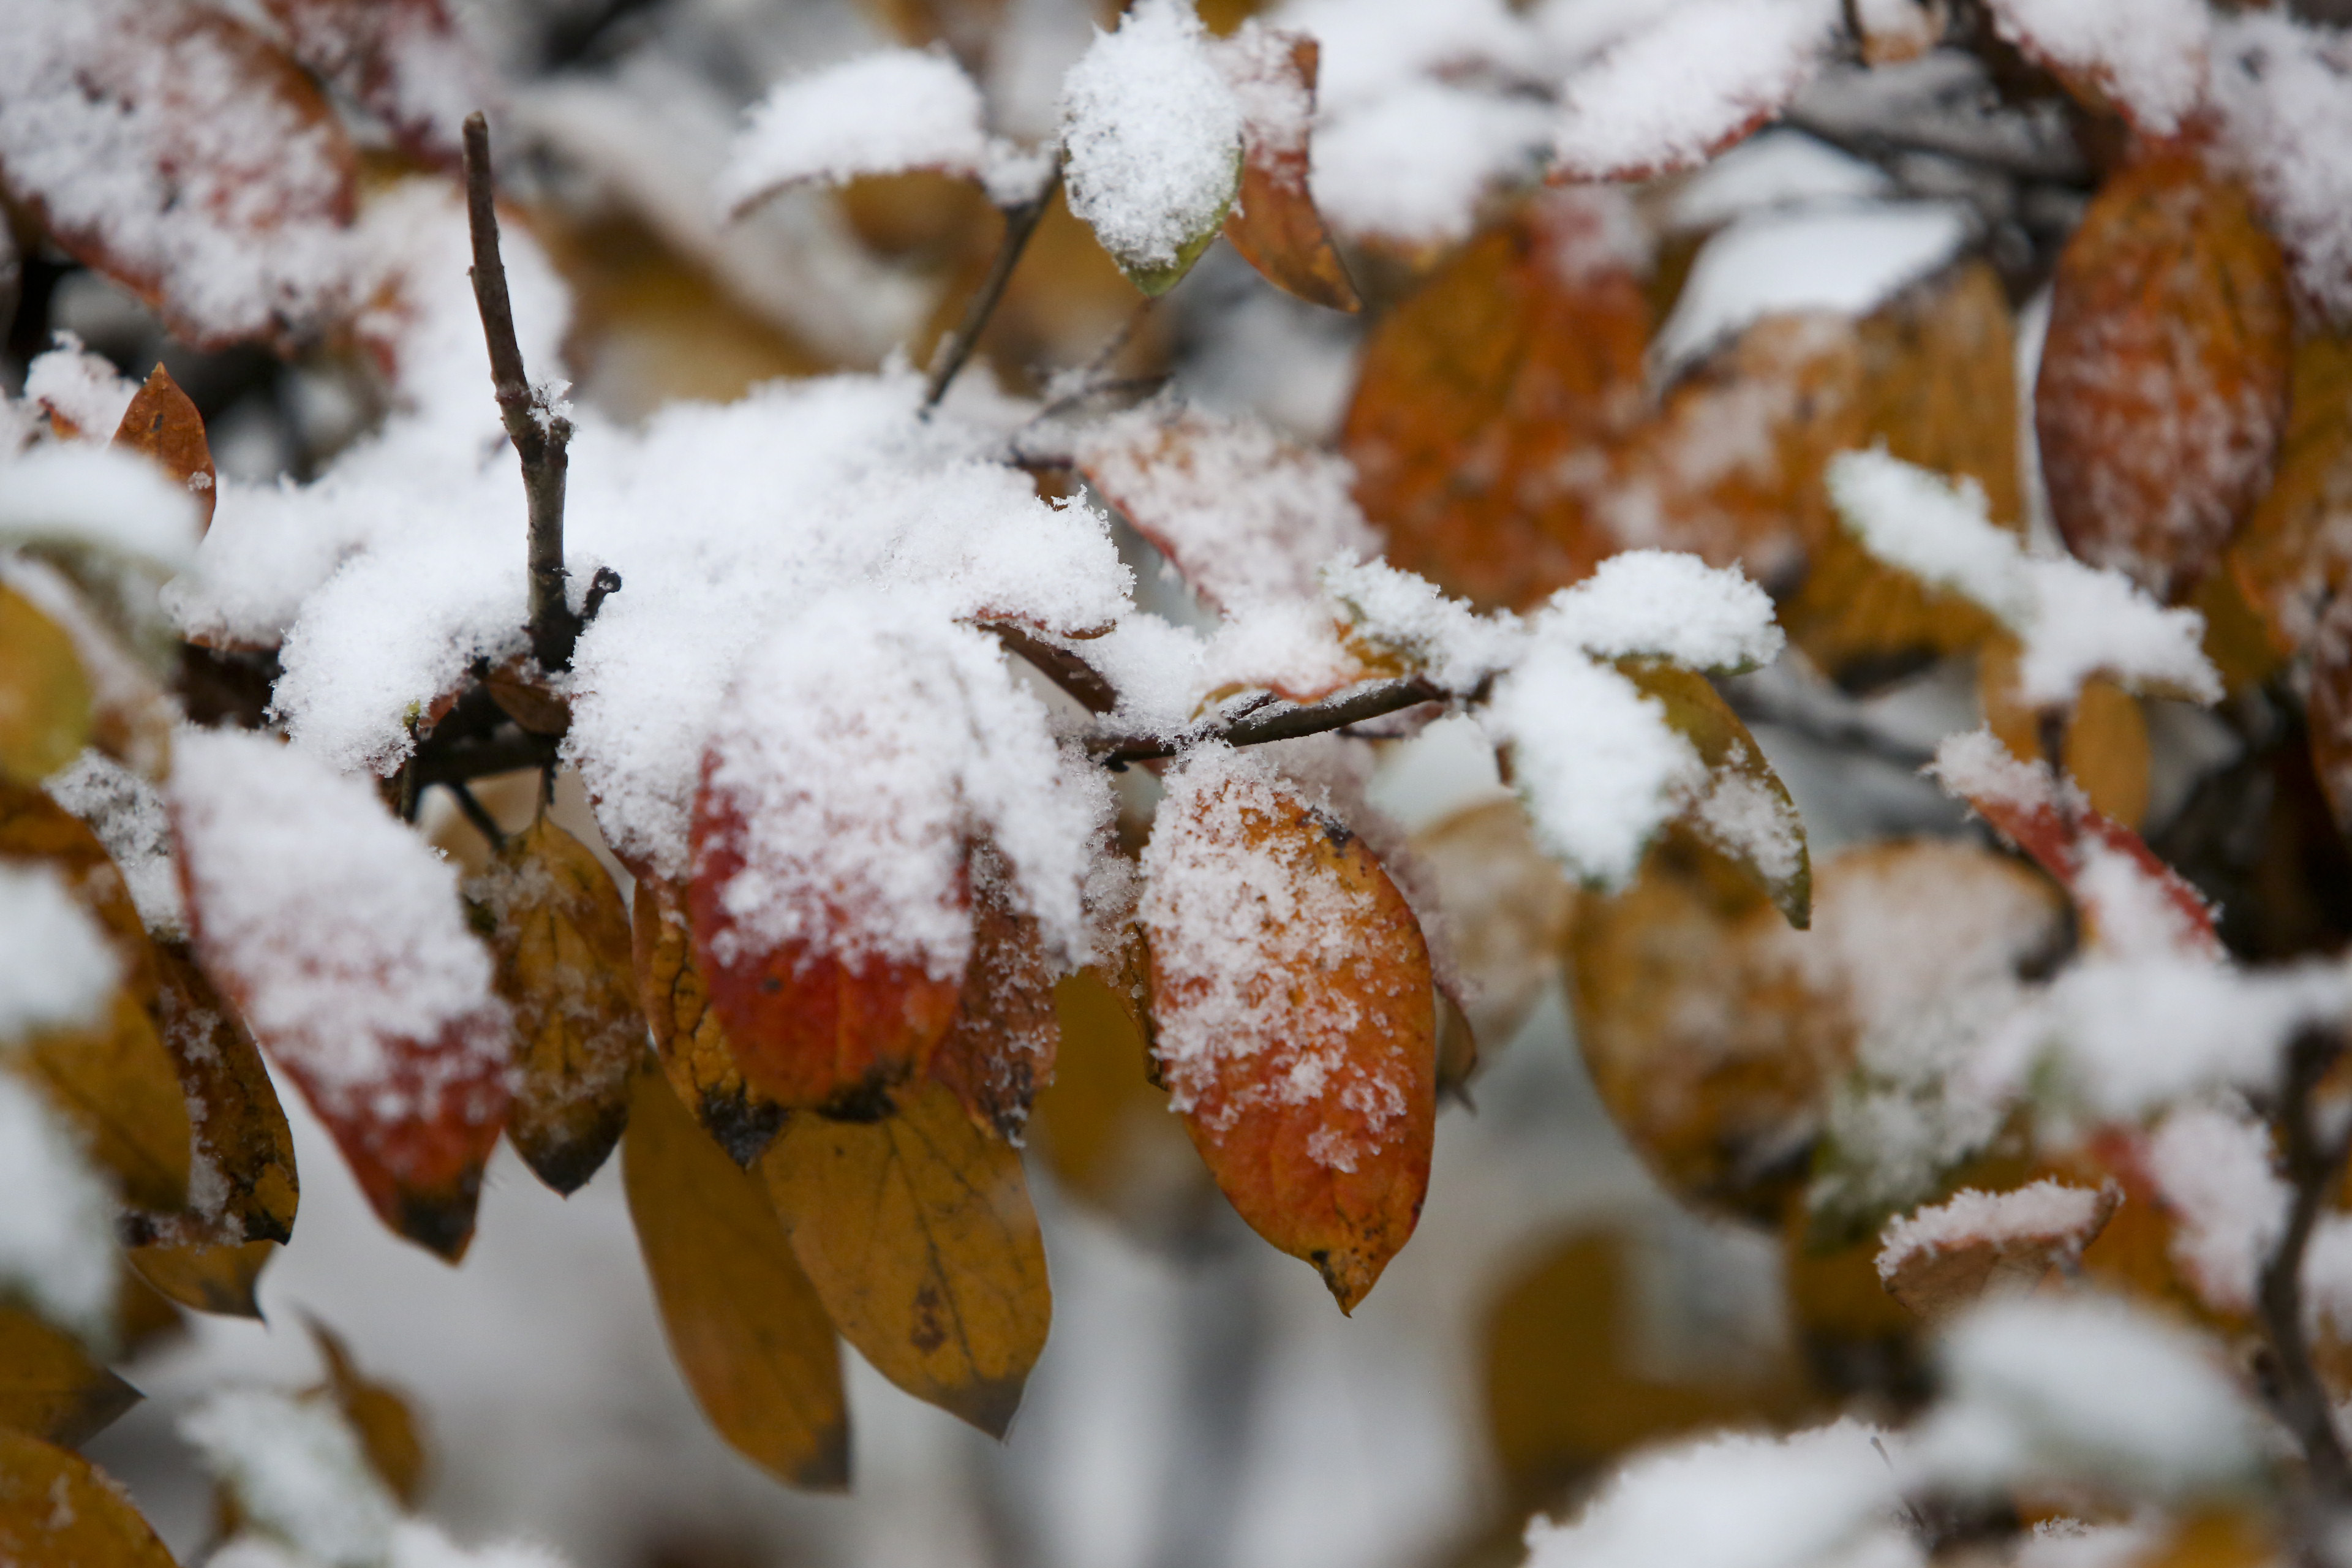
1522,352
918,1233
1293,1016
2294,553
1941,1260
2106,748
695,1055
241,1136
221,1278
45,698
809,1029
229,234
999,1050
2163,391
131,714
561,935
743,1322
2328,709
404,59
386,1427
164,425
50,1388
57,1507
1274,223
1745,813
1508,906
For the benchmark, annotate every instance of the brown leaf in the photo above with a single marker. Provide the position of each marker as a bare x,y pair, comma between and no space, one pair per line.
404,59
694,1056
561,936
2106,749
809,1029
1975,1244
1274,223
2294,553
50,1388
1293,1017
44,698
1509,906
163,424
744,1324
56,1508
2329,708
386,1427
2163,391
918,1233
220,1277
999,1050
1479,395
241,1134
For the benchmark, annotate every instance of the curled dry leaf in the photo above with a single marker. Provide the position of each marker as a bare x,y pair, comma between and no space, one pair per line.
2294,553
50,1388
57,1507
2163,391
1293,1014
744,1323
1976,1245
561,935
1274,223
386,1427
918,1233
115,1081
44,698
688,1037
810,1029
162,424
1518,355
999,1050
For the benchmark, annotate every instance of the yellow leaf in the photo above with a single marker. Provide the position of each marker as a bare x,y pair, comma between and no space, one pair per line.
386,1425
2106,749
1104,1128
220,1277
45,698
688,1037
744,1325
918,1233
56,1509
2294,552
561,938
240,1128
50,1388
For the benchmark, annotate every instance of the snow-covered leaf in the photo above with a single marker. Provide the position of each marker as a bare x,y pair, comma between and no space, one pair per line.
882,113
1274,223
2146,60
1976,1245
406,60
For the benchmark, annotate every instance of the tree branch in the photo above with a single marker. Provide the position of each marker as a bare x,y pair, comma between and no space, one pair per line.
1274,721
1019,223
541,436
2313,1162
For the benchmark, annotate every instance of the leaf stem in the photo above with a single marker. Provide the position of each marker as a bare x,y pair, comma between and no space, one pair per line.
1021,222
470,807
540,434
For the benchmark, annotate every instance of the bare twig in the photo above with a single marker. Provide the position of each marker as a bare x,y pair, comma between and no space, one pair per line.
1019,223
542,435
1274,721
475,812
2314,1158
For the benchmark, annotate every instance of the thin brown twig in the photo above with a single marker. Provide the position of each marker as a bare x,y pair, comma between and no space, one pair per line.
2314,1160
1274,721
542,435
471,808
1021,222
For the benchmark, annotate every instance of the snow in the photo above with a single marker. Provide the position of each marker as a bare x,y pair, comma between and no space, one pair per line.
1772,169
1597,764
94,497
2282,92
336,929
2085,1387
1398,612
153,142
61,972
2149,56
1737,1502
57,1229
1667,604
82,388
1240,924
128,814
297,1473
1703,73
418,1543
1277,109
1151,136
2045,1211
2212,1166
2075,621
1845,259
882,113
1413,165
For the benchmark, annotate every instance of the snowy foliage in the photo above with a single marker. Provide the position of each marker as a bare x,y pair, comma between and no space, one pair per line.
57,1253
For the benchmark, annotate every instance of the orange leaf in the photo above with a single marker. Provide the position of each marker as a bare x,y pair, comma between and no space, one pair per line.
743,1322
1274,223
56,1508
162,424
2106,750
50,1388
1940,1260
561,935
1520,354
2295,552
918,1233
694,1056
2163,390
1293,1016
404,60
809,1029
241,1134
999,1050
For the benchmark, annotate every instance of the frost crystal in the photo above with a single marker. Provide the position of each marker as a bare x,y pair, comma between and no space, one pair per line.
1152,136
